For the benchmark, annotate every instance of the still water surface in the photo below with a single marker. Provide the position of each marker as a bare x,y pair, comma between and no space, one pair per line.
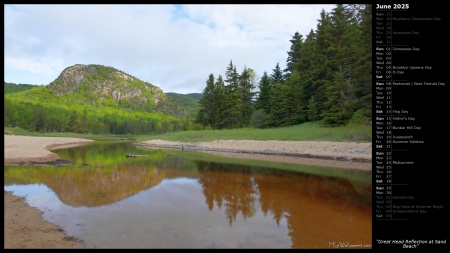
179,199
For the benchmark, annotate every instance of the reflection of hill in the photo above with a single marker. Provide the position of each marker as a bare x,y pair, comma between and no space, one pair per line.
317,208
91,186
95,187
84,186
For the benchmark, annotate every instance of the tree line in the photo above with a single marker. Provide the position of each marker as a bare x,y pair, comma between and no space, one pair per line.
328,78
228,103
49,117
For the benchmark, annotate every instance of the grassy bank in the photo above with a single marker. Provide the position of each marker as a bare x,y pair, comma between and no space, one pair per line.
20,131
302,132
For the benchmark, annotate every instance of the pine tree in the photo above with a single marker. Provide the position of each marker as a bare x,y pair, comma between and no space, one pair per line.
297,99
322,75
279,99
312,110
232,115
293,54
363,64
246,94
219,97
207,103
304,75
263,100
340,99
343,52
277,75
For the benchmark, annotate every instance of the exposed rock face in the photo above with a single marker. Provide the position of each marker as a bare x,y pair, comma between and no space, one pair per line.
100,83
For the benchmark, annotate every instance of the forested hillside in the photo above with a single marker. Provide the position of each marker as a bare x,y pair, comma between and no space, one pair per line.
190,101
328,78
13,88
95,99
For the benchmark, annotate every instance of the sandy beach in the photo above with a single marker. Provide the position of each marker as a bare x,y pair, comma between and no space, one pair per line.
25,228
28,150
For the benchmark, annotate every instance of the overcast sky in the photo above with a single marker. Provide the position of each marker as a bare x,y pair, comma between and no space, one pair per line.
174,47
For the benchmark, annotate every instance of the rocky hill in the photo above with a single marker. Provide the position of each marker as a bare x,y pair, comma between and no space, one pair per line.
104,85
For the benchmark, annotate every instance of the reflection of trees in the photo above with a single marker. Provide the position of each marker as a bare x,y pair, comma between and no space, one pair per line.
98,153
316,209
228,185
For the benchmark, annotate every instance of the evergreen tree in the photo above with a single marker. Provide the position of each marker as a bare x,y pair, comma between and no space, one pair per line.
279,99
322,75
363,64
297,99
312,110
340,98
246,94
207,103
219,98
345,36
293,54
263,100
232,114
276,76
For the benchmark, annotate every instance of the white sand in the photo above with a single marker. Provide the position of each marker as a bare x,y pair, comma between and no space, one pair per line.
23,149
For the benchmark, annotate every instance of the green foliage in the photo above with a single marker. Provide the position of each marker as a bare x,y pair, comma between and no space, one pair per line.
303,132
280,106
95,99
190,101
109,87
327,78
207,103
259,119
293,54
228,103
312,109
263,100
277,76
13,88
196,96
73,125
360,117
246,94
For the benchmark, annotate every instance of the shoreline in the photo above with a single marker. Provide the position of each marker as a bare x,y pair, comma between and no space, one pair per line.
350,155
26,228
29,150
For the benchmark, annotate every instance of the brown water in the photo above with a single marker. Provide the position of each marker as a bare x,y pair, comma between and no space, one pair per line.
175,199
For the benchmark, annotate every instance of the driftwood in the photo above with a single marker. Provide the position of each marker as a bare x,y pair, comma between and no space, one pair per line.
133,156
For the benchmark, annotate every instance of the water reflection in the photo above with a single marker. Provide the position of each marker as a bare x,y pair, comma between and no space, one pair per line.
174,199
